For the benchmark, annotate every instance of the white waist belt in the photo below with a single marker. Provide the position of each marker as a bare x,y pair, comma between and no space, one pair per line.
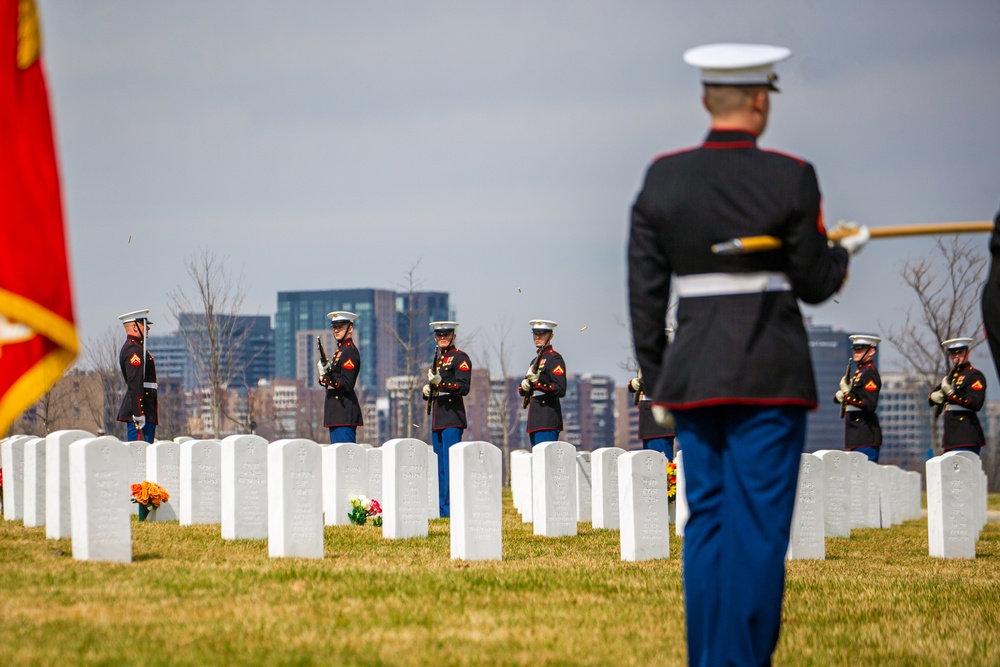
951,407
853,408
149,385
718,284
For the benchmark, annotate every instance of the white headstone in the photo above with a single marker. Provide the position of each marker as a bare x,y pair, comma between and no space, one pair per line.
34,483
345,474
681,510
951,513
181,439
553,489
201,482
807,539
584,488
58,508
914,482
644,509
13,476
163,467
520,482
979,489
873,512
836,493
474,477
404,485
887,496
858,479
137,449
99,471
244,487
433,499
604,468
373,456
294,499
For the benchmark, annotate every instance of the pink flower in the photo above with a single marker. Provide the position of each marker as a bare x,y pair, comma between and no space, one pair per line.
374,508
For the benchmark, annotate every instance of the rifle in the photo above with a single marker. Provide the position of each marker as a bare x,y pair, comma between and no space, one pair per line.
322,353
434,389
534,369
939,408
843,404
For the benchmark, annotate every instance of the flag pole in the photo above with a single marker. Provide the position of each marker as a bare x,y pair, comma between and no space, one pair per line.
749,244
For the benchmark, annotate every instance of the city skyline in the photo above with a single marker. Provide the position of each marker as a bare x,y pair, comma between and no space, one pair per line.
496,149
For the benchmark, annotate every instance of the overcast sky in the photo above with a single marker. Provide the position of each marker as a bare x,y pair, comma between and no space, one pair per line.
323,145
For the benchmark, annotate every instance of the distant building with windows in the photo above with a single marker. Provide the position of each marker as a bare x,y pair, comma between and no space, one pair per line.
385,318
905,419
830,351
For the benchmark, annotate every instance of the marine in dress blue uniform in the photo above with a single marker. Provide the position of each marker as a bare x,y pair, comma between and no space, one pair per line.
448,380
341,409
139,405
858,397
545,382
737,376
652,434
961,395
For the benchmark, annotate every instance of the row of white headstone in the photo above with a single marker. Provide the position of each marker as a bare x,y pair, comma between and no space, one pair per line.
78,486
956,504
554,487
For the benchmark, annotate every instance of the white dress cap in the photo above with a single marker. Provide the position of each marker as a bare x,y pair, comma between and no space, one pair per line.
737,64
542,325
956,343
443,326
865,339
338,316
134,316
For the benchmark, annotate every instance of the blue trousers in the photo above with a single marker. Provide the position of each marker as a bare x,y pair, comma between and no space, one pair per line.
665,445
870,452
741,466
343,434
441,441
148,432
543,436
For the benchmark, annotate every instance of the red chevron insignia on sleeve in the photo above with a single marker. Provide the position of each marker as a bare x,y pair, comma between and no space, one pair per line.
349,364
135,360
871,386
977,385
558,370
464,366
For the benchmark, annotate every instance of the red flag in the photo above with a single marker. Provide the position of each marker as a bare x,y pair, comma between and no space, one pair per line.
38,339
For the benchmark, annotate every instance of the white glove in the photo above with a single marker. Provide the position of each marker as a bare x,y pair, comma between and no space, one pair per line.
140,422
839,397
845,385
635,384
946,386
526,385
854,242
662,416
427,391
320,369
937,396
433,377
531,376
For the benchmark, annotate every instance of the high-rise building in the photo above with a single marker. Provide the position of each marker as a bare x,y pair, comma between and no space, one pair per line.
626,420
830,350
388,324
905,419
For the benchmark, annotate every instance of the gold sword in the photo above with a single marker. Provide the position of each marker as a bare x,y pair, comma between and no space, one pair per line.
749,244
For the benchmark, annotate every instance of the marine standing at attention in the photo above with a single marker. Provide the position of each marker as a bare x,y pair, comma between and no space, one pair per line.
448,380
858,397
543,385
737,376
139,405
961,394
341,410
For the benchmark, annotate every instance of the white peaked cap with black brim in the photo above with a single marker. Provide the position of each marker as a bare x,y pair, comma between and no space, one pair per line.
541,326
956,343
443,326
135,316
342,317
865,339
737,64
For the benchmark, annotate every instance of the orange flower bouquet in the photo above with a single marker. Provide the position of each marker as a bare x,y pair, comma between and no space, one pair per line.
671,481
148,496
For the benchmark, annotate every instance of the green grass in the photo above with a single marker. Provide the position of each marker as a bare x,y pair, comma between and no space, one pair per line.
191,598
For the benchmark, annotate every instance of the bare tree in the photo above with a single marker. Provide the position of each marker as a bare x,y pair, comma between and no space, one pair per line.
502,406
946,285
410,340
208,321
100,359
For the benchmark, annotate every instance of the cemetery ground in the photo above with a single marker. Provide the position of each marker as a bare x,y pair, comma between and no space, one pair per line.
191,598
